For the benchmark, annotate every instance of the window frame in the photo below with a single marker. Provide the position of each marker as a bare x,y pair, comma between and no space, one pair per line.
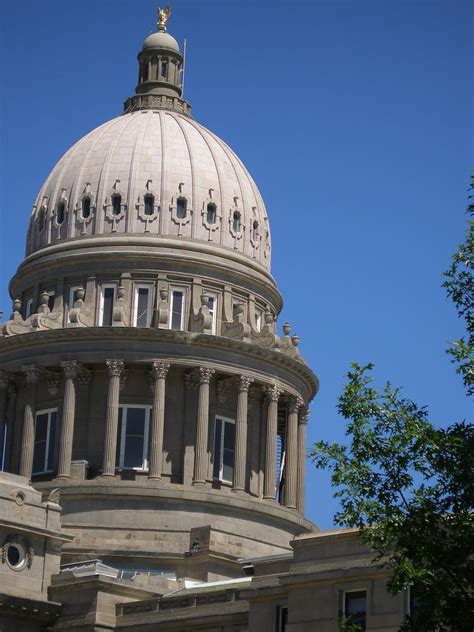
258,319
281,625
70,299
28,307
356,590
45,411
136,288
104,286
213,311
121,441
173,289
224,420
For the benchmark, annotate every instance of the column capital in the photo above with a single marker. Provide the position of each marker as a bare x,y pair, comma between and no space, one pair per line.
159,370
303,416
294,404
115,367
32,373
244,382
205,374
70,368
272,392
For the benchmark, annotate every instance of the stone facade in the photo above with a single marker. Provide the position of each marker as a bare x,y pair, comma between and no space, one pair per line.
143,380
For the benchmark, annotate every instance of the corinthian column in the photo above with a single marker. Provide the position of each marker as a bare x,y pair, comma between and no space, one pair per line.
273,394
70,369
32,373
301,477
200,456
241,434
159,372
292,453
115,368
4,382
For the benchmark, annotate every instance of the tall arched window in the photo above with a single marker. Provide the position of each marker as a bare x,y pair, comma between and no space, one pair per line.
61,213
116,204
149,204
211,214
181,208
164,69
86,207
236,225
255,230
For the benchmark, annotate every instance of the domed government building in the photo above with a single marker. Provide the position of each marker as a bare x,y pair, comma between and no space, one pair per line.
153,418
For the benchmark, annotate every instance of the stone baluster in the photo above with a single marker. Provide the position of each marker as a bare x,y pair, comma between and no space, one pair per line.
273,394
4,383
159,372
115,368
200,456
70,369
32,373
301,475
292,453
240,464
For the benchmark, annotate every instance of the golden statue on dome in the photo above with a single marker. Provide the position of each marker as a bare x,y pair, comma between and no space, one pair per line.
163,16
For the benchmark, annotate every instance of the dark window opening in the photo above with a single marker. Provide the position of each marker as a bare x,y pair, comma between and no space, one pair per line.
177,310
255,230
51,302
142,299
61,213
108,299
43,454
86,207
144,68
181,208
211,214
132,444
236,222
116,204
41,217
149,206
164,69
355,608
282,618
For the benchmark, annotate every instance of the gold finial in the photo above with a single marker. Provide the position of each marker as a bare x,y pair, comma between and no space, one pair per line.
163,15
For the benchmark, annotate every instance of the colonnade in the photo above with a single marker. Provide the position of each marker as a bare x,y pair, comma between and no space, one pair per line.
297,417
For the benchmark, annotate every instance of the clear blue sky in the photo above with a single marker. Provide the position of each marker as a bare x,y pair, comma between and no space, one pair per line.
354,119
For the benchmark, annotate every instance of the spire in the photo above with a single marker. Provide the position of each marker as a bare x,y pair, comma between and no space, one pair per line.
160,72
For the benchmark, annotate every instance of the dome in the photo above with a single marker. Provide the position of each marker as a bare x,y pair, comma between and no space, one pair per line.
161,39
153,172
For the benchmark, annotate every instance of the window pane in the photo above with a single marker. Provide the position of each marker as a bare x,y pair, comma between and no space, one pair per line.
41,433
119,438
149,205
52,435
61,213
133,456
41,429
39,456
176,314
142,306
135,422
355,607
217,450
211,214
228,456
51,302
164,69
116,204
181,208
86,207
108,305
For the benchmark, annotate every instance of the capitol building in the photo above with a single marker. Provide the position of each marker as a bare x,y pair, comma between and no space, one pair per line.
153,414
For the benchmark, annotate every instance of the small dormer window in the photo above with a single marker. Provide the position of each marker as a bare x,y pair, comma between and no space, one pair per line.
149,204
255,230
86,207
61,213
164,69
116,204
211,214
181,208
236,225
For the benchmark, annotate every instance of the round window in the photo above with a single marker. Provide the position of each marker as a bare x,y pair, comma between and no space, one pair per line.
16,556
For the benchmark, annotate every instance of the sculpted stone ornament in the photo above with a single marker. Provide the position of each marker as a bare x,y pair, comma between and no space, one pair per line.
44,318
78,316
205,375
21,541
202,321
16,324
163,310
115,367
118,312
267,336
238,329
54,496
163,17
159,370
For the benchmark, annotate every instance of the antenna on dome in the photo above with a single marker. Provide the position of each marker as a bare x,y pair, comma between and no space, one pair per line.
184,68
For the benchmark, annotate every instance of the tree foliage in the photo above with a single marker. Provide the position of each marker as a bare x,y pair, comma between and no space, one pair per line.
409,486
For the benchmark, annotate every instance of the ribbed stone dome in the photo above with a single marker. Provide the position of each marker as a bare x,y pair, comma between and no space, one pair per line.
155,173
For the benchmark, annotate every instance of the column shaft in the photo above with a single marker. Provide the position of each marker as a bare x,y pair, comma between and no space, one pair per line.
115,368
159,372
240,461
202,429
3,410
301,473
270,445
292,455
67,424
28,437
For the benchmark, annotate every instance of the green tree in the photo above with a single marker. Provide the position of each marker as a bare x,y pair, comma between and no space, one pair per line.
409,486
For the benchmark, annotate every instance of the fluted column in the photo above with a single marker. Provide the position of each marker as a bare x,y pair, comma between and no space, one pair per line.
70,369
4,382
159,372
200,455
32,373
240,461
115,368
273,394
292,453
301,477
